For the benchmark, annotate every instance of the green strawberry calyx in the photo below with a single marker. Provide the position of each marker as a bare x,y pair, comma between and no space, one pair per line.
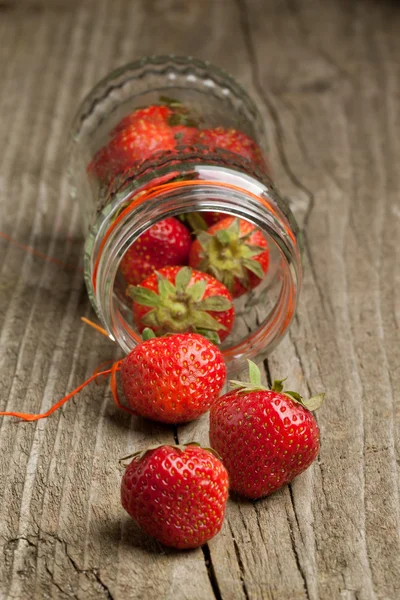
228,255
255,385
181,307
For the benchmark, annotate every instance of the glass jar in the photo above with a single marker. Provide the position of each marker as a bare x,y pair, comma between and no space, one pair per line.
129,172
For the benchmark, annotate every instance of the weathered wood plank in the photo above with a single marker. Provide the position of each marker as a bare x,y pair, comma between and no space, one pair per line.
326,76
337,143
64,531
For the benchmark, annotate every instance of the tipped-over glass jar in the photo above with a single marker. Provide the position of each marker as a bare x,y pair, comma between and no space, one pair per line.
185,231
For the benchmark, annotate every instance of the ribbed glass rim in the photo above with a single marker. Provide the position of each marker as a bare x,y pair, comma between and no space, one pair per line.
241,204
129,71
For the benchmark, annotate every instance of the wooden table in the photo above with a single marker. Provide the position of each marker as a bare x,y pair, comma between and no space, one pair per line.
325,73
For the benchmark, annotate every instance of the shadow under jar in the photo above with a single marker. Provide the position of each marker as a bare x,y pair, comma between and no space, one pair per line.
170,137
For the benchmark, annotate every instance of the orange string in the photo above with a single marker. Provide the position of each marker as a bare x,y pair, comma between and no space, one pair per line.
100,368
113,383
114,388
41,255
95,326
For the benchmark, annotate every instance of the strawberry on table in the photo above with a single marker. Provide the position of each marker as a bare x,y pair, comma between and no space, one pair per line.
232,140
265,437
234,251
173,379
165,243
177,494
179,299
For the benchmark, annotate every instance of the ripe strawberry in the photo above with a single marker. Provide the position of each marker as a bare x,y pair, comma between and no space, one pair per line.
173,379
136,143
155,113
184,135
146,131
232,140
234,251
213,217
176,494
165,243
265,437
177,299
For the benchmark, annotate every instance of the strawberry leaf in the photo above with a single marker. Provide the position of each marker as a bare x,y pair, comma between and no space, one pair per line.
315,402
196,291
247,236
253,266
256,248
203,320
216,303
254,384
150,319
148,334
236,384
170,101
224,237
204,239
254,374
227,279
211,269
183,278
277,386
180,118
144,296
311,404
165,287
234,228
296,396
196,222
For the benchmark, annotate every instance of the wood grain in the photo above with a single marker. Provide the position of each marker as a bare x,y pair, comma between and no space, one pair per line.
325,73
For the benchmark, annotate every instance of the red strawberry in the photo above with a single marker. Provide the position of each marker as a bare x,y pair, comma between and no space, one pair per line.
156,113
173,379
213,217
176,494
165,243
177,299
265,437
136,143
175,118
234,251
156,128
184,135
232,140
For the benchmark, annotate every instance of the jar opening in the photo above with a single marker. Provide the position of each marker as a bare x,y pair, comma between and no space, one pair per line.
263,313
